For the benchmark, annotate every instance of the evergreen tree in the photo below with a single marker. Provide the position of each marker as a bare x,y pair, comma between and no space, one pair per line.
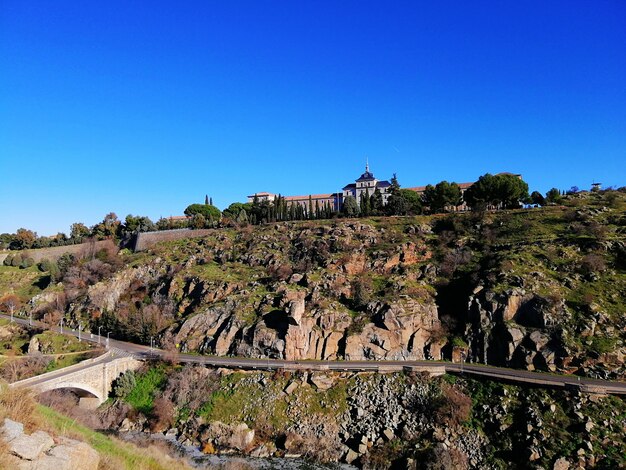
317,210
310,212
350,207
376,202
206,200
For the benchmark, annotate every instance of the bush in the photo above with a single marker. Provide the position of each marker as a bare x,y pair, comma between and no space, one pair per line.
592,263
124,384
27,263
453,407
16,260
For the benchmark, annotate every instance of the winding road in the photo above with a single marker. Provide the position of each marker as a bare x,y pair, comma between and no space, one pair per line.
434,367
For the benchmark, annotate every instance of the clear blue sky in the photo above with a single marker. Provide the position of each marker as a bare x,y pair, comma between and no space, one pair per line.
145,107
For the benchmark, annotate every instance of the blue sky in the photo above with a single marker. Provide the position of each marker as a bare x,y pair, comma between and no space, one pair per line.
145,107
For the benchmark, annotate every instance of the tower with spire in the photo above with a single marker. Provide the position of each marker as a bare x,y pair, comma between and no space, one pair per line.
366,184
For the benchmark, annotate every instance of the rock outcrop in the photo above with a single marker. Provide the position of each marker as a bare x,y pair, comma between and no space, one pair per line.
39,451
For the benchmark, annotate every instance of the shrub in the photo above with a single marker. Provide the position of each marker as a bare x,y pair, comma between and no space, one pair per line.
592,263
27,263
453,407
124,384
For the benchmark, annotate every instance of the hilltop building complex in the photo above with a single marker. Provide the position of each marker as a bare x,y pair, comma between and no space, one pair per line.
366,184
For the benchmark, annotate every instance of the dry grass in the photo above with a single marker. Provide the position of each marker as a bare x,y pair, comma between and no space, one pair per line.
20,405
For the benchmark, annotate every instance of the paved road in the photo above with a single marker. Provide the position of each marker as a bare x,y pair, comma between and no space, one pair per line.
496,373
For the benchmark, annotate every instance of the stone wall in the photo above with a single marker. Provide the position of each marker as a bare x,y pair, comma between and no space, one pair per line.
55,252
146,239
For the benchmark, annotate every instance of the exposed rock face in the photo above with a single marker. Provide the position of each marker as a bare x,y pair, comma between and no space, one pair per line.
238,437
401,330
38,451
515,330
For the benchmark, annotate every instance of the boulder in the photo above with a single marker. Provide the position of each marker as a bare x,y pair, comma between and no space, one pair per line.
75,454
11,430
322,381
30,447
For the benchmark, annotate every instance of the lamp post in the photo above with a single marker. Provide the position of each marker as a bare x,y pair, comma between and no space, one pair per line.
62,318
151,344
99,334
79,332
108,333
30,318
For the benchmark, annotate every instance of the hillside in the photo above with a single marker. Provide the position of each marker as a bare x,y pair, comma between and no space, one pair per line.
541,288
538,289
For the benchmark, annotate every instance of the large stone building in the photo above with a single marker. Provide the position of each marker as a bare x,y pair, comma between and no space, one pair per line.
366,184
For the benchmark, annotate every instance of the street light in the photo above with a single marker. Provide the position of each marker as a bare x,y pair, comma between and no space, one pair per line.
99,334
30,318
151,342
79,326
108,333
62,318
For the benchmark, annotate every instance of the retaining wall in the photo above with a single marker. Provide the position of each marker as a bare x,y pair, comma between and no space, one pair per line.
145,240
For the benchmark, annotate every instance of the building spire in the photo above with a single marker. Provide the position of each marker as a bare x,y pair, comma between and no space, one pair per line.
367,165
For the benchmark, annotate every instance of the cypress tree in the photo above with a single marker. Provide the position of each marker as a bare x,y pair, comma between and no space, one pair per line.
310,211
206,200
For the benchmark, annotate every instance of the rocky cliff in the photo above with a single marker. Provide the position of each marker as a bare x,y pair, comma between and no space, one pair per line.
537,289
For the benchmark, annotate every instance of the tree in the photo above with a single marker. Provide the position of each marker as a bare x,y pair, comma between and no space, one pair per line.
350,207
503,190
554,196
443,195
23,239
413,201
206,200
10,303
78,231
235,208
138,224
210,213
537,198
376,202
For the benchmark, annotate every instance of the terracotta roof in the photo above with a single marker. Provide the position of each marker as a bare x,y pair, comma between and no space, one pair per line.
261,194
313,196
178,217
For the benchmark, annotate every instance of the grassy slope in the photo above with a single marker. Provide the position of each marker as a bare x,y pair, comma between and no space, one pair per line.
20,406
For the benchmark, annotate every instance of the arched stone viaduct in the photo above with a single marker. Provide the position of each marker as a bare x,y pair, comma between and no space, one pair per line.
92,378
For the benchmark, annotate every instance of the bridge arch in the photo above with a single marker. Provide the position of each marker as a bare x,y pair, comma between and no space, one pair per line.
82,387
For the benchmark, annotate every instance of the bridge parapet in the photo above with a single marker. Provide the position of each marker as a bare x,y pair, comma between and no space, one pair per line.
93,376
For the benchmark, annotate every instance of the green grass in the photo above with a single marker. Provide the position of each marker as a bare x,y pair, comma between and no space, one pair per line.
25,283
68,360
147,385
55,343
122,454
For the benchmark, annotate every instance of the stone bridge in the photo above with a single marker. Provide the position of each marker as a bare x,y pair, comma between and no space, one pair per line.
90,379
